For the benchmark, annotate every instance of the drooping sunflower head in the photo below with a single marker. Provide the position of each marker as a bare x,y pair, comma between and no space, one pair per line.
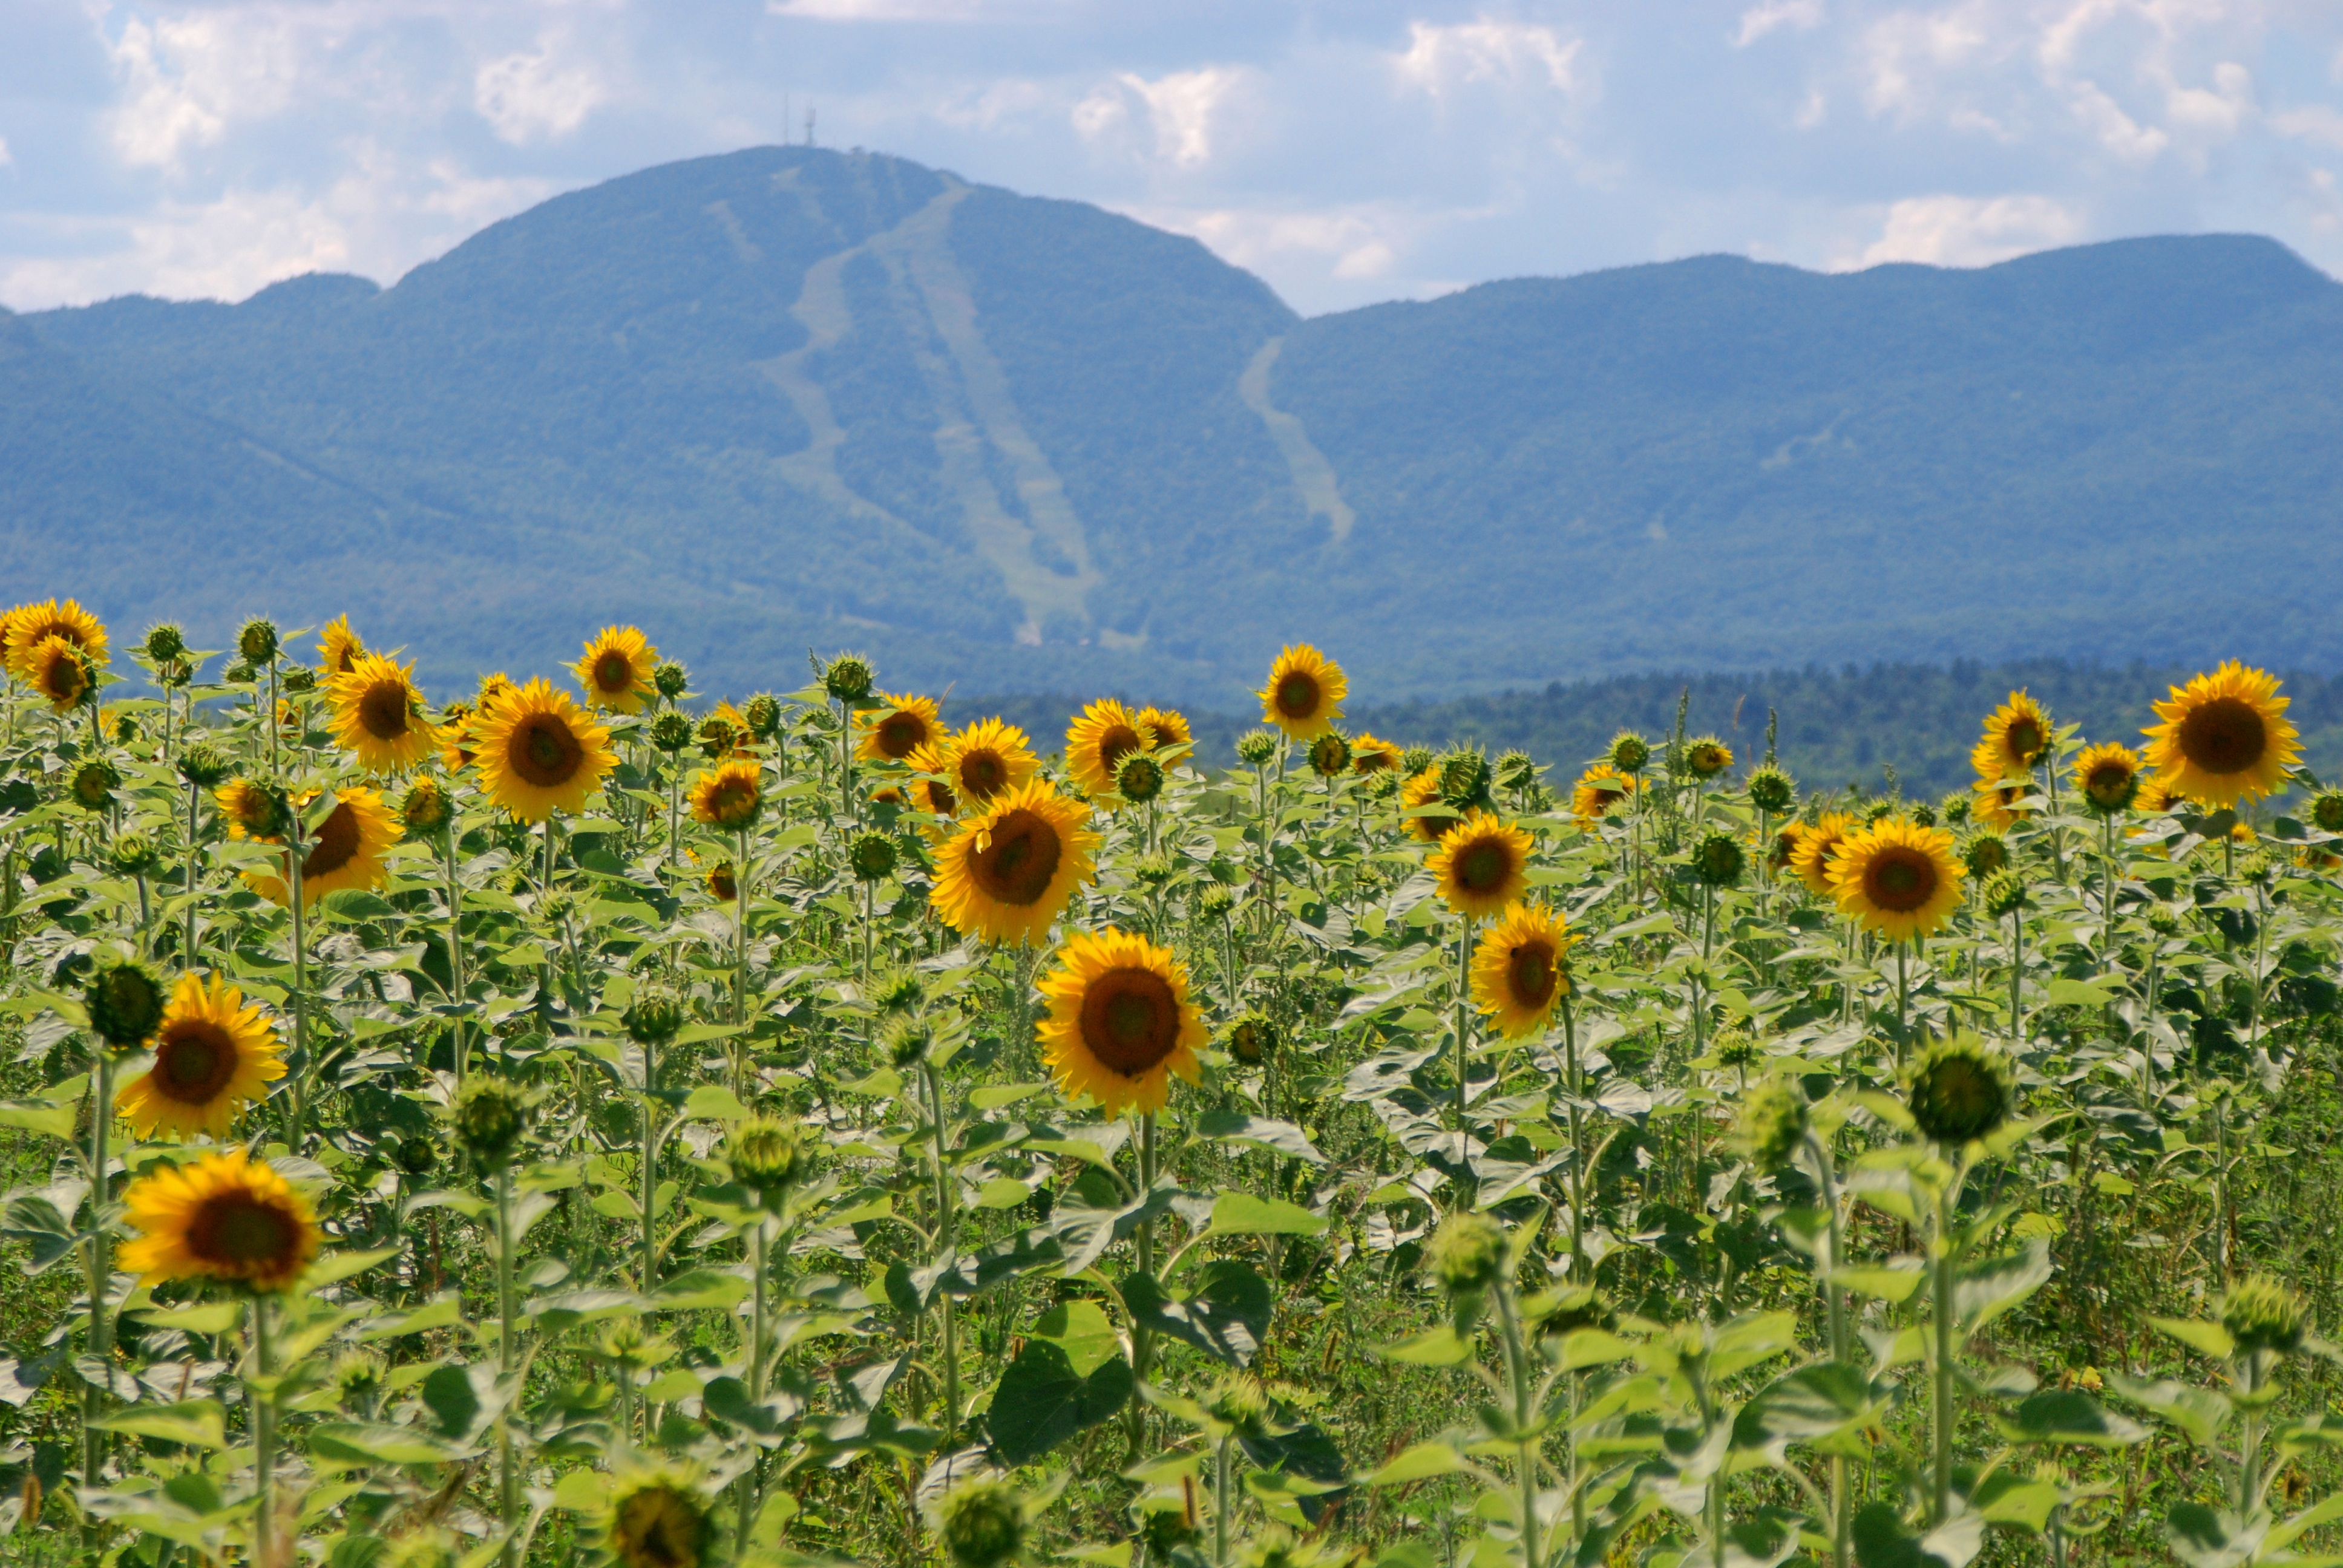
29,625
1305,694
898,726
136,855
2016,734
1008,871
201,764
539,753
2108,776
1168,732
1953,808
981,1521
1465,778
1900,880
1420,791
616,670
1985,853
930,783
1468,1254
255,808
1961,1089
1771,791
93,784
426,809
661,1517
224,1217
1772,1123
1782,850
1483,864
256,642
721,883
2225,736
848,677
1600,792
730,796
124,1002
338,647
61,671
1138,779
2261,1314
1519,969
1329,755
762,714
491,1116
1096,743
344,850
1372,754
1253,1038
1707,756
990,758
1819,847
1121,1022
378,714
214,1054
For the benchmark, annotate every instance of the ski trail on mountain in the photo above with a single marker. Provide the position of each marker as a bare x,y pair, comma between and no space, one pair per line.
1314,476
936,312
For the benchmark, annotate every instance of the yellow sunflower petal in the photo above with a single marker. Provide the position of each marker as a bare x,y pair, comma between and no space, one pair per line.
538,752
1518,974
222,1217
1121,1022
1305,694
1899,879
1483,864
1011,868
2225,736
215,1053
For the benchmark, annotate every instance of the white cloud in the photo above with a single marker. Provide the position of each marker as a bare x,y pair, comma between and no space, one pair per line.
879,10
1906,46
1180,108
1967,231
186,78
5,159
2312,123
533,96
1760,20
1439,59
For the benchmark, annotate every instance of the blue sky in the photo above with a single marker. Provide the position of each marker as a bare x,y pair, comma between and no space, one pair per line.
1347,152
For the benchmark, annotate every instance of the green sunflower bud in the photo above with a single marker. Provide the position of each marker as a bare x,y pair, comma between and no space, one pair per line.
670,679
1257,747
1988,852
900,992
1773,1123
134,855
256,642
1215,903
2262,1314
763,716
202,766
299,679
1630,752
360,1376
2004,895
1921,813
1961,1091
1517,770
491,1118
165,644
418,1156
908,1041
1139,778
655,1016
1239,1402
426,807
1467,1254
1771,789
1953,810
1464,779
125,1002
93,784
1733,1048
981,1524
670,732
1329,755
1718,859
768,1156
1415,760
847,679
2327,811
872,856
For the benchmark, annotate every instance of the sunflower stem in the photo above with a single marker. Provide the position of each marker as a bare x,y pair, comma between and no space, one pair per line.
293,860
649,1166
1463,1027
261,1394
508,1476
195,854
2016,972
944,1243
459,992
1903,1001
1143,1341
101,1269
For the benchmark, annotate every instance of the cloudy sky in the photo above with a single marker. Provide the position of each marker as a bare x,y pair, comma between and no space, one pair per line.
1347,150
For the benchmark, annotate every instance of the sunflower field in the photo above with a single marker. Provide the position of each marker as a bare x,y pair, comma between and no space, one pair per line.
586,1122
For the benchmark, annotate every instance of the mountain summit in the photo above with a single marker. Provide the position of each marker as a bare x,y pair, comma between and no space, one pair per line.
791,398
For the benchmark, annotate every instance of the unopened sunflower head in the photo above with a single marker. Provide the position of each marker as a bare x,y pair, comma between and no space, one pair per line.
2261,1313
1771,789
847,678
981,1522
1772,1123
491,1117
1961,1089
256,642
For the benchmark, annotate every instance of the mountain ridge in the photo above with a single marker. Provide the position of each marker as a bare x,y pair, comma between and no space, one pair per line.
790,398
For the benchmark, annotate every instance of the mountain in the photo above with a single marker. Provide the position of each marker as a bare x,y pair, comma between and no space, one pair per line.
791,398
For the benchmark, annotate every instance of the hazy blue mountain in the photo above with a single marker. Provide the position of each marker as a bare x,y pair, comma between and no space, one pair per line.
792,398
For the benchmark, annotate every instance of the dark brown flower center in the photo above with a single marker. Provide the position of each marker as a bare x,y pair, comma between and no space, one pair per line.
1131,1021
2110,782
2224,736
1017,865
614,674
983,774
1114,746
544,752
1297,694
241,1231
657,1529
941,798
731,800
899,734
63,680
721,883
383,710
1530,973
2024,741
1482,865
336,842
194,1061
1899,879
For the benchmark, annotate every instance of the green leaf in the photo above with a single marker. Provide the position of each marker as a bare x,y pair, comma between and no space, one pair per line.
1242,1214
218,1317
2198,1335
1808,1404
2082,993
2203,1537
1258,1132
1041,1401
463,1400
714,1102
1439,1347
1983,1292
992,1097
195,1423
1419,1463
1895,1285
336,1266
1226,1315
700,1287
38,1115
2199,1413
356,1443
2069,1415
355,904
582,1491
1080,1329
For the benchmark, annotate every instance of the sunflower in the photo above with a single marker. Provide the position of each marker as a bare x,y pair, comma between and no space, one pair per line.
726,733
1166,730
1707,757
1305,694
930,788
897,728
1009,870
1900,880
1120,1021
1483,864
659,1516
29,625
1372,754
1518,975
730,796
1424,789
378,714
1098,741
1601,790
494,688
2016,734
214,1054
454,736
1782,853
988,758
1995,804
616,670
57,668
722,885
538,753
253,811
338,647
1818,847
2225,736
2108,776
346,852
224,1217
2157,798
